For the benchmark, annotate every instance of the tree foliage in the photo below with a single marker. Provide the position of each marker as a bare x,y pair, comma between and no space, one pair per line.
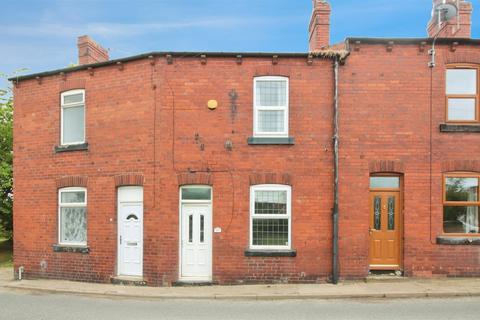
6,157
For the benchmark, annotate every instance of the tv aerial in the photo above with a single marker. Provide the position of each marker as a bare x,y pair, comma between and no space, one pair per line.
443,11
446,11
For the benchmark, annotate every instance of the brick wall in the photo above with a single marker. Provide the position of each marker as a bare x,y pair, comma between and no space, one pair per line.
151,121
385,115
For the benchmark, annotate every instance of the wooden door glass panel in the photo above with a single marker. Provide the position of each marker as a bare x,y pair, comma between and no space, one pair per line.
391,213
377,213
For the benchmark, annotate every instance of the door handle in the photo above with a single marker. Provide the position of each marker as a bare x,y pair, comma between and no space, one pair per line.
370,230
120,239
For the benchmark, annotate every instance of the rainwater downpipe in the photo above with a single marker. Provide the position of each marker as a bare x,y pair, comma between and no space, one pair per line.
335,266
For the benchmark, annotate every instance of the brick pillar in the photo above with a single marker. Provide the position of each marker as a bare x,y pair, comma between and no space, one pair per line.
454,28
89,51
319,28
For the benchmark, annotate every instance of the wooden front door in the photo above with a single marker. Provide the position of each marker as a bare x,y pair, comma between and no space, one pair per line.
385,230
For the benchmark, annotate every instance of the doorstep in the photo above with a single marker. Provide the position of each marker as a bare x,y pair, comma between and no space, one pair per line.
128,281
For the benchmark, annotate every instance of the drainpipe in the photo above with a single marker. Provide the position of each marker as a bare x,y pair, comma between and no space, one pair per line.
335,268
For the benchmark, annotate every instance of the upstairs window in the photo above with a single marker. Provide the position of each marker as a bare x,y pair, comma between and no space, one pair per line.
73,117
460,203
270,106
462,94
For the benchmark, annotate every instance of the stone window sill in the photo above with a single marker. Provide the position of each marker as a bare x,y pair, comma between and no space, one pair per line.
458,240
270,253
445,127
271,140
72,147
73,249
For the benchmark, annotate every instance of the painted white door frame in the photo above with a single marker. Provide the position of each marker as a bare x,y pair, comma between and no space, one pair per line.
130,231
205,206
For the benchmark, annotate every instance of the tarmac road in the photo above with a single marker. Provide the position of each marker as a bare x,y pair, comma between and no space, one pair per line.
24,305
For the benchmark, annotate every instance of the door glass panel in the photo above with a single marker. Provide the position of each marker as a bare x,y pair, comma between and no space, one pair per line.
195,193
132,216
202,229
377,213
391,213
190,228
385,182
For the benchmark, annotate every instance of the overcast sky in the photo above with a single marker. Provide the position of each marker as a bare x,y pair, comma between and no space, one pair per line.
40,35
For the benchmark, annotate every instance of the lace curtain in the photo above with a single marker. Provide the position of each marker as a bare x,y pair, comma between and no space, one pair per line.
74,224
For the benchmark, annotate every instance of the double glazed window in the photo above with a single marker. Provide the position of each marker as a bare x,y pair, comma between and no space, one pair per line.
462,94
73,117
270,107
461,203
72,215
270,217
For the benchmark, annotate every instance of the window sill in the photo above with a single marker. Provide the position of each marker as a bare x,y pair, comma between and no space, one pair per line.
271,140
71,248
458,240
71,147
445,127
270,253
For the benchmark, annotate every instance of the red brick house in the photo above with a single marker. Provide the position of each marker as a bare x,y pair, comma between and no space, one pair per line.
219,167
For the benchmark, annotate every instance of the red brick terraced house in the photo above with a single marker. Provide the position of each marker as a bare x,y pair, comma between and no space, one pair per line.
181,167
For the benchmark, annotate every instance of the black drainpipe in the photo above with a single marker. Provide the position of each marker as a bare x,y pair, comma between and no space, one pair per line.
335,272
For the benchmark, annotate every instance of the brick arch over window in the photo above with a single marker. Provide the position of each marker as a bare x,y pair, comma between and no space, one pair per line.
462,57
461,165
72,181
270,178
129,179
379,166
272,71
200,178
72,84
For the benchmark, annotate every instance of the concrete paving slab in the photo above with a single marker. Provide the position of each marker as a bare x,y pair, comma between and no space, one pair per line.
406,288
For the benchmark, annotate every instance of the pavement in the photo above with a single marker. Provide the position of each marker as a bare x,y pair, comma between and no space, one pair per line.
389,288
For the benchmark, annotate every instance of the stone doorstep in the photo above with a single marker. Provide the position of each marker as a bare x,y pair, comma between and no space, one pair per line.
128,281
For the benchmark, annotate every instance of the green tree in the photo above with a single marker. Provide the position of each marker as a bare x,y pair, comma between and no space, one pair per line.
6,157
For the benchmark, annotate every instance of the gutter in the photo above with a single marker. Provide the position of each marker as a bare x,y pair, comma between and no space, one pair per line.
411,41
162,54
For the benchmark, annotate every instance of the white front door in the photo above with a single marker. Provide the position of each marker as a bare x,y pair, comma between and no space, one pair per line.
196,242
130,231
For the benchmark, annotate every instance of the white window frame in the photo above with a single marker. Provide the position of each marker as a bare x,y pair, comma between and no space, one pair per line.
256,108
71,105
63,205
271,187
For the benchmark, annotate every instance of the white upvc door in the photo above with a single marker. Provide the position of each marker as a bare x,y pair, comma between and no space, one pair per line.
130,231
196,242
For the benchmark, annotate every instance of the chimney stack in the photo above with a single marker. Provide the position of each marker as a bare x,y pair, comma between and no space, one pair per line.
319,28
459,26
90,52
